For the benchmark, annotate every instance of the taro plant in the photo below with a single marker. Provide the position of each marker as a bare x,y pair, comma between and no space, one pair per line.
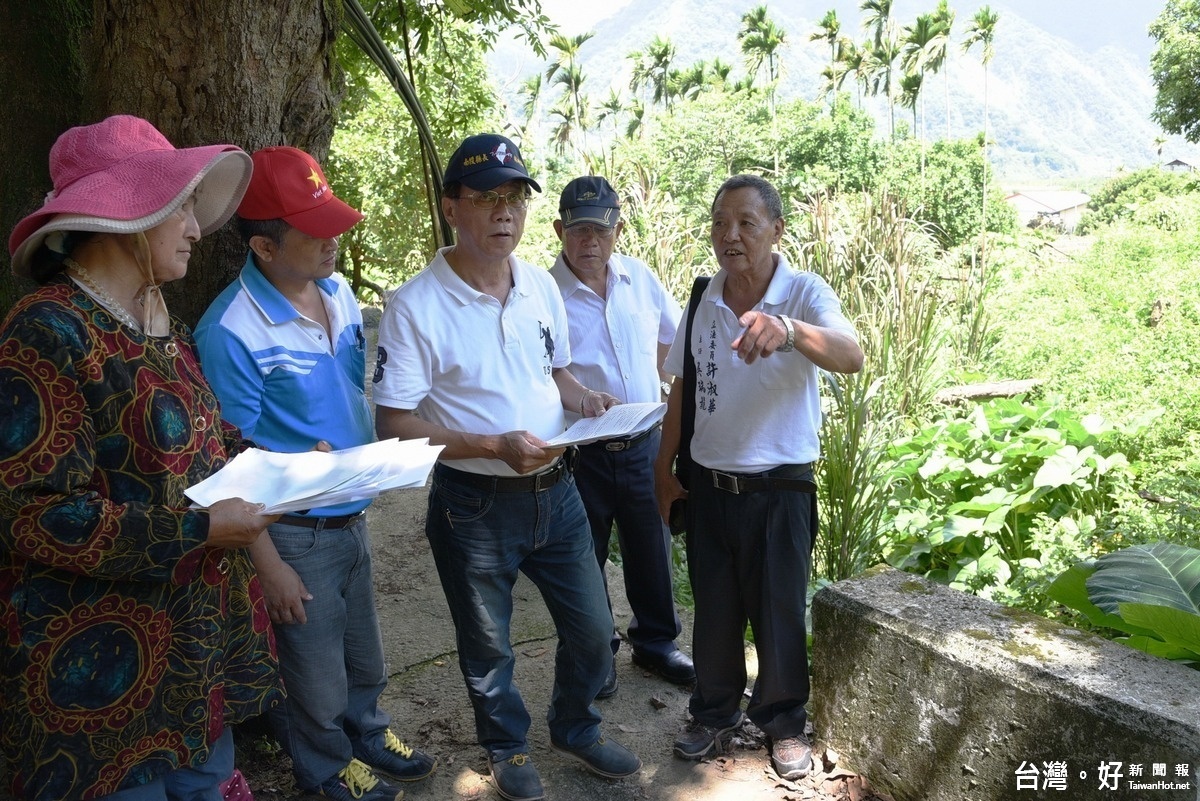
1148,594
1001,488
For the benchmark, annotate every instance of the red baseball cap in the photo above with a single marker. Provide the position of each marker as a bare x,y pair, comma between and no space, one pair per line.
288,184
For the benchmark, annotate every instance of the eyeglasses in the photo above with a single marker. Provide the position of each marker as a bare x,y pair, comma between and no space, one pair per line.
517,199
586,231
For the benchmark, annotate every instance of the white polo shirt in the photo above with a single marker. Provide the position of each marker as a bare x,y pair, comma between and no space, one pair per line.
466,363
751,418
614,340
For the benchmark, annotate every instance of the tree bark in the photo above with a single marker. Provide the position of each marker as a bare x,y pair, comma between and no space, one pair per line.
40,75
248,72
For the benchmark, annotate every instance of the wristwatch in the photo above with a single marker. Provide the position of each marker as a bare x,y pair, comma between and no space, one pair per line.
665,386
789,344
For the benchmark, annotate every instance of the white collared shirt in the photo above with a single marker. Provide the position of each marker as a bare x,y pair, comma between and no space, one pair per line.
614,340
467,363
755,417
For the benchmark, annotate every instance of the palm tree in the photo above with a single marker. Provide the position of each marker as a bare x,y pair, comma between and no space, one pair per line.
661,53
687,83
829,30
919,55
761,40
565,70
944,17
910,93
881,68
878,18
982,31
531,90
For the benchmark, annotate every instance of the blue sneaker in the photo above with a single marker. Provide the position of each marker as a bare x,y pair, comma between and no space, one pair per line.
399,761
356,782
606,758
516,778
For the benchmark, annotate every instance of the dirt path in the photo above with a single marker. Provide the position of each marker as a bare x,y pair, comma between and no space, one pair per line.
429,705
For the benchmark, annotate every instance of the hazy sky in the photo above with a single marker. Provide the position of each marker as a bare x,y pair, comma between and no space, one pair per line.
1088,23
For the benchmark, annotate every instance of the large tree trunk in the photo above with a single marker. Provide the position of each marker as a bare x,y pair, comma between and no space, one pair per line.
249,72
40,80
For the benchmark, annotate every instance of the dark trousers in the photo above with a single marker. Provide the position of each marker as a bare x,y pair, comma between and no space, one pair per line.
618,486
749,557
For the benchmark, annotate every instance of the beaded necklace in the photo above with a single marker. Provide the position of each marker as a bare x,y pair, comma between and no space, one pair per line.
81,275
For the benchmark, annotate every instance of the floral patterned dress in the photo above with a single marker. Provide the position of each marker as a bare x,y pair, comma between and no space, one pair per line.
126,646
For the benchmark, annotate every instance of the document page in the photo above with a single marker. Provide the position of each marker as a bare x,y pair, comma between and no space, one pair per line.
290,482
622,420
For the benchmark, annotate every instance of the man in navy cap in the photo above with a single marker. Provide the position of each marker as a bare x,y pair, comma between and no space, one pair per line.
473,354
622,320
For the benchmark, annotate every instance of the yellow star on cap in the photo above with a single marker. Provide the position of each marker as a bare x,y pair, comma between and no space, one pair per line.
315,178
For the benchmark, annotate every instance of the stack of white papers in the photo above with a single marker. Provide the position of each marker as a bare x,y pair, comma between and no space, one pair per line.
622,420
291,482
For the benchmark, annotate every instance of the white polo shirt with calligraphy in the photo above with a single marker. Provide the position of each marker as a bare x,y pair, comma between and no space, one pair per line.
751,418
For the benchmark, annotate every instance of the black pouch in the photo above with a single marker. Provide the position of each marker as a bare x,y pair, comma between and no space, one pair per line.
687,418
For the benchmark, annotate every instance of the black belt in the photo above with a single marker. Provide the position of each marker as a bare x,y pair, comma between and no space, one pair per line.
737,483
534,483
341,521
617,444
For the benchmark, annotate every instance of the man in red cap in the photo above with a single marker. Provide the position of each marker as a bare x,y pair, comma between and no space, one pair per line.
283,347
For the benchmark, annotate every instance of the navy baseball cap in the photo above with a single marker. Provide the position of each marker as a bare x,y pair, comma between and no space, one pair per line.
485,161
589,199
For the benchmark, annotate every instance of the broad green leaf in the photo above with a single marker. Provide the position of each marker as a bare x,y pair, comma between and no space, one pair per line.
1156,647
1060,469
1173,626
958,526
1162,574
1070,589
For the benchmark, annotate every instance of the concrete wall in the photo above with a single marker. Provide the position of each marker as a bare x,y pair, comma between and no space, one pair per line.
940,696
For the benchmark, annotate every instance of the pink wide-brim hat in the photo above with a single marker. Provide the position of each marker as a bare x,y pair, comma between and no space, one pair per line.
121,175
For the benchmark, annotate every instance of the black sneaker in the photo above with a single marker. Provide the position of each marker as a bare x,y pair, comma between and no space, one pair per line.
516,778
699,741
356,782
399,761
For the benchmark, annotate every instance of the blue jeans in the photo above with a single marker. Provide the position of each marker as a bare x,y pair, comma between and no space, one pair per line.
480,539
332,666
199,783
618,486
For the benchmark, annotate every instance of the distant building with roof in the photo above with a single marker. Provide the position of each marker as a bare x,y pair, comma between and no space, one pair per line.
1056,207
1178,165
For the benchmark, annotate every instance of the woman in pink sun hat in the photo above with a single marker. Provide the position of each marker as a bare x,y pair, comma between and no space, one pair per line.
132,627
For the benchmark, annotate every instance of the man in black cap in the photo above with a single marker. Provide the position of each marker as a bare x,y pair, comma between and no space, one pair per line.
473,354
622,320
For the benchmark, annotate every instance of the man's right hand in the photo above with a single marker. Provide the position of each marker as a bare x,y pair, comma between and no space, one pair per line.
667,490
284,592
526,453
236,523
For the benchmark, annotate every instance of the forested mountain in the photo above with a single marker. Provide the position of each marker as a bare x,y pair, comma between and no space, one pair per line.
1069,99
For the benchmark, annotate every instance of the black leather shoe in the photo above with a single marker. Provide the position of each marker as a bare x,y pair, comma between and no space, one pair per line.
676,667
610,684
